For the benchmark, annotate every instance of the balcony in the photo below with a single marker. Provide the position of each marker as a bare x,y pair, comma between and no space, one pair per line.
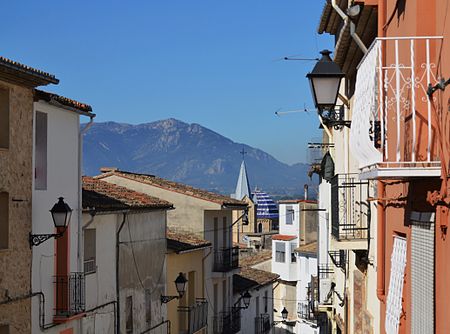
228,322
226,259
70,296
325,273
350,211
394,131
262,324
194,317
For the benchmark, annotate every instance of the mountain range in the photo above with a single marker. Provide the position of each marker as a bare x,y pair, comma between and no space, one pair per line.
187,153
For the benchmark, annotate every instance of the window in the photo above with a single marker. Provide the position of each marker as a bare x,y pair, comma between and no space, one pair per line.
280,252
266,302
290,215
40,152
216,233
293,256
89,251
4,220
129,315
4,118
4,329
148,307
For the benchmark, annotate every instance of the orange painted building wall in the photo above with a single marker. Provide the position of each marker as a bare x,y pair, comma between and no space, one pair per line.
419,18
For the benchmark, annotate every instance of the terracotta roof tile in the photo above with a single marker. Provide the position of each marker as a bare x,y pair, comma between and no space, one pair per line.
297,201
255,258
174,186
52,97
14,71
284,237
249,278
180,241
310,248
104,196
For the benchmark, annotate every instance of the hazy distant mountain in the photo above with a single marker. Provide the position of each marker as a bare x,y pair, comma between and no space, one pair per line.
187,153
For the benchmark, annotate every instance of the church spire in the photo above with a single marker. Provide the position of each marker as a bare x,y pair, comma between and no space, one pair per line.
242,186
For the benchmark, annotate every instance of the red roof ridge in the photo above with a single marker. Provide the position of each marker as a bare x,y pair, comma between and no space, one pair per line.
284,237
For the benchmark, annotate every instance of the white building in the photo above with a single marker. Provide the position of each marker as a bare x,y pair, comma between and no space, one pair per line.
121,228
57,265
294,260
256,278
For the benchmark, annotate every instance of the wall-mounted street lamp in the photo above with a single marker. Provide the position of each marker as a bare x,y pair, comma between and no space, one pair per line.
325,80
284,315
180,285
61,213
246,299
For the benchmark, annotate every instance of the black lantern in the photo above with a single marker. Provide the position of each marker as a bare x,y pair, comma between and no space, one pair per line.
180,285
284,313
246,298
61,213
325,80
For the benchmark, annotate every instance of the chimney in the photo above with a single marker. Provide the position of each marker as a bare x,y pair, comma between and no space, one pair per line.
108,169
305,187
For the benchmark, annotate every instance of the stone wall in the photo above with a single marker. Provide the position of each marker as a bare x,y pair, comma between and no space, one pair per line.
16,179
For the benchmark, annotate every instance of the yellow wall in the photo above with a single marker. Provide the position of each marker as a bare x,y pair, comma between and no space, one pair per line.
190,264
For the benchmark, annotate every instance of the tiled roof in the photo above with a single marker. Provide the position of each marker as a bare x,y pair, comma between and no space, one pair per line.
52,97
104,196
174,186
180,242
310,248
289,201
255,258
284,237
19,73
250,278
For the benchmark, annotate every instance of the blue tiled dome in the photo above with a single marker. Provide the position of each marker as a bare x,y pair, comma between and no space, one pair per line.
266,208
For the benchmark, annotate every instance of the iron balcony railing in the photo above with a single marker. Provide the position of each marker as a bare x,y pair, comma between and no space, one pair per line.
262,324
392,122
350,211
194,317
226,259
339,258
228,322
70,294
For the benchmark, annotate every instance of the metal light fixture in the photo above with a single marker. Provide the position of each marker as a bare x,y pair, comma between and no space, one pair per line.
325,80
245,298
180,285
284,313
61,214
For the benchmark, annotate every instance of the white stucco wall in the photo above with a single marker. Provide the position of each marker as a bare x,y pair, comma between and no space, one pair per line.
307,267
289,229
256,307
288,269
136,273
62,180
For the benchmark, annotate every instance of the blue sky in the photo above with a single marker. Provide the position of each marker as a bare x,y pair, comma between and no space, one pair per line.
201,61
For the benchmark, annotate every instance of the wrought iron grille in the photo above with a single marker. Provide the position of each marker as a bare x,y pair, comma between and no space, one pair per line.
349,207
226,259
70,294
262,324
228,322
325,270
339,258
196,316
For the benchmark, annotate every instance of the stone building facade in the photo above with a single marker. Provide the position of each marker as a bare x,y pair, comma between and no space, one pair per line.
16,143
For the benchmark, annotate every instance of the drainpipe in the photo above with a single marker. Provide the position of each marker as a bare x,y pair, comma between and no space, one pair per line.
347,20
117,272
381,242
